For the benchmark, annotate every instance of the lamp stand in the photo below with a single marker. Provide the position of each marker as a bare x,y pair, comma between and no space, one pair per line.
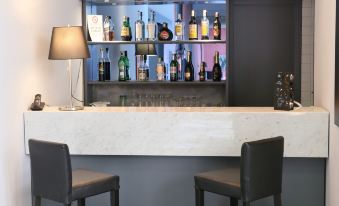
70,107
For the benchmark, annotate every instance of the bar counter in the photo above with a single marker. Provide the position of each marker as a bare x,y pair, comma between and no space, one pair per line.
184,131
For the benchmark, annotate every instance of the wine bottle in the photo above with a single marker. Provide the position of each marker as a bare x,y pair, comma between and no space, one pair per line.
193,27
202,72
152,28
101,66
122,67
189,69
179,29
174,68
217,27
126,34
216,68
107,64
139,28
205,24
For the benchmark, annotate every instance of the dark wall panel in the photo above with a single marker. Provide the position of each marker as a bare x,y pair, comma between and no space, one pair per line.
264,39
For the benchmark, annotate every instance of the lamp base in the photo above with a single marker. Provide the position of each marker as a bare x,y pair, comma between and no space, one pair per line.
71,108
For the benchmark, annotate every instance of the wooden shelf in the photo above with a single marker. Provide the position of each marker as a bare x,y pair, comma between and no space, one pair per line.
159,42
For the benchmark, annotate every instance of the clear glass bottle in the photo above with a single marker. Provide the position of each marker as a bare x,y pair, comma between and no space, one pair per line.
179,29
141,69
139,28
126,34
101,66
122,67
152,28
107,71
193,27
205,24
108,29
160,70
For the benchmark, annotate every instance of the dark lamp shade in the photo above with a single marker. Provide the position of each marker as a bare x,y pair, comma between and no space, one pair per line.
68,43
145,49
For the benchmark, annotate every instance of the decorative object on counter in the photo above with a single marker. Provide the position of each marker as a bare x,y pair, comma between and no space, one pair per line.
284,92
68,43
95,29
165,34
37,105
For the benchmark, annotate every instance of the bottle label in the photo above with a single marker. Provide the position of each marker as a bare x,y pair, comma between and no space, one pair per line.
151,31
216,31
138,31
142,75
121,71
178,30
187,75
173,72
193,31
204,28
125,31
164,35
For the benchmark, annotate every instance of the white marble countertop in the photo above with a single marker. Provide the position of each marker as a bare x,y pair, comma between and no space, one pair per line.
179,131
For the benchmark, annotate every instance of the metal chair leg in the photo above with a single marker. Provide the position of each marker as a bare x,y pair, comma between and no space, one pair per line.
234,201
36,201
81,202
115,198
199,197
277,200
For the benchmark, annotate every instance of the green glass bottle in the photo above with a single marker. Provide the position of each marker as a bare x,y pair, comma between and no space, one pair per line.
174,68
189,68
122,67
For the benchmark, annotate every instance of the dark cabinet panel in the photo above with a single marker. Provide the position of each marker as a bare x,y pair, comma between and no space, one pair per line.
265,38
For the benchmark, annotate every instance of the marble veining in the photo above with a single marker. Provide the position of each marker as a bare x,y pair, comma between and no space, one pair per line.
215,131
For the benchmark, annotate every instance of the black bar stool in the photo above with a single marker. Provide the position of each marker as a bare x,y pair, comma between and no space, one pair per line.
52,177
259,175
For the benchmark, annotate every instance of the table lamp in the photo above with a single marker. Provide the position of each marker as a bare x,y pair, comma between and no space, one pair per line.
68,43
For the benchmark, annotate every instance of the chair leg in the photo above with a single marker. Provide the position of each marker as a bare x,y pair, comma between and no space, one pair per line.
81,202
277,200
199,197
36,201
234,201
246,203
115,198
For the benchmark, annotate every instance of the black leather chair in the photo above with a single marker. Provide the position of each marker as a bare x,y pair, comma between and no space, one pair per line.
259,175
52,177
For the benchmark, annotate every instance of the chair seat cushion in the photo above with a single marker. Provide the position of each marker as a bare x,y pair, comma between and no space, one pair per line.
224,182
87,183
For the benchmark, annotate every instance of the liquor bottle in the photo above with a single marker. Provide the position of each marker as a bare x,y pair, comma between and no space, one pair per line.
189,68
165,34
217,27
202,72
152,28
107,71
216,68
139,28
179,29
146,67
205,24
126,34
122,67
174,68
101,66
160,70
141,69
193,27
126,60
165,69
108,29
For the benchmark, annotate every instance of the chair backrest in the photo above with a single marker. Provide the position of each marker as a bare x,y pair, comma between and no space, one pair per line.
51,172
261,168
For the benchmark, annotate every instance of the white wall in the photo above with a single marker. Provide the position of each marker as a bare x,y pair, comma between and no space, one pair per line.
324,68
24,71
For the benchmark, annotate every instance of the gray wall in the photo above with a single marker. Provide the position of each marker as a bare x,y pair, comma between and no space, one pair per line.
168,181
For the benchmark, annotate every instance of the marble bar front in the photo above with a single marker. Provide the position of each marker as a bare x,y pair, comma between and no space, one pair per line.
216,131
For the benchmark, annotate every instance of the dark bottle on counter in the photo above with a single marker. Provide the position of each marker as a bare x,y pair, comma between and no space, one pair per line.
174,68
107,64
189,68
217,27
216,68
165,34
101,66
126,60
165,69
146,67
126,31
193,28
122,67
202,72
